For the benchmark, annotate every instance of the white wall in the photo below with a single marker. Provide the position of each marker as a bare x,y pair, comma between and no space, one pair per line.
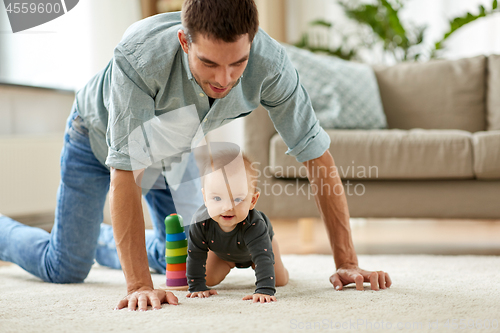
65,52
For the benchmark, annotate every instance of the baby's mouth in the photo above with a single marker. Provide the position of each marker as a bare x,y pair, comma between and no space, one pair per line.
227,217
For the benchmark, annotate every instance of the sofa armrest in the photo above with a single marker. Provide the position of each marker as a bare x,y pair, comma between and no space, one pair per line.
258,131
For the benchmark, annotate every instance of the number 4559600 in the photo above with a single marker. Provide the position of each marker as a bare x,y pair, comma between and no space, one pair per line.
31,7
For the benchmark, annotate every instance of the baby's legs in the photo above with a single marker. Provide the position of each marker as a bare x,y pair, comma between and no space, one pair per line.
217,269
280,271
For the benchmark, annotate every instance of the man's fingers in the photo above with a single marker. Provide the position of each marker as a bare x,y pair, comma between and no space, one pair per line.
358,279
381,280
374,280
346,275
141,299
335,281
155,302
388,281
132,303
122,304
143,302
171,298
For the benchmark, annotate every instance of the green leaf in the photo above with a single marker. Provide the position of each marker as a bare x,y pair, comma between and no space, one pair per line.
404,41
322,23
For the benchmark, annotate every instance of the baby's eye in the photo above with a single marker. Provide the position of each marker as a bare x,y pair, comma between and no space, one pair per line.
217,199
238,200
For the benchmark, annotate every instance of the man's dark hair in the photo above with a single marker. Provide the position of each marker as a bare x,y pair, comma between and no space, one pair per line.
224,20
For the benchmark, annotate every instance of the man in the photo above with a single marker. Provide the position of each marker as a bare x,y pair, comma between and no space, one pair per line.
221,64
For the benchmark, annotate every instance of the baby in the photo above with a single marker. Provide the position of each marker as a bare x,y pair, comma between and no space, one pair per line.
228,232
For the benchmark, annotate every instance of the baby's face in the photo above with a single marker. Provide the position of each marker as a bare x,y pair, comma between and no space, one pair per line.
218,202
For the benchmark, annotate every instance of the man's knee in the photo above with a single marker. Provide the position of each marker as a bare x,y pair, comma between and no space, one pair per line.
66,273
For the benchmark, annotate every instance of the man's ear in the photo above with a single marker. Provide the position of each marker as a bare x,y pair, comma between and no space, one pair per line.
255,197
183,40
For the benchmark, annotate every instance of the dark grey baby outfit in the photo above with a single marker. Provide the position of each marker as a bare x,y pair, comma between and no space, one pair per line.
249,242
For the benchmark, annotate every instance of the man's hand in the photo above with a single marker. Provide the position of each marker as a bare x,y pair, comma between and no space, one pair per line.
202,294
353,274
262,298
147,296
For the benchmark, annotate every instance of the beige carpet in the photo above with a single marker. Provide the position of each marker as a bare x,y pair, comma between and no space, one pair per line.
426,289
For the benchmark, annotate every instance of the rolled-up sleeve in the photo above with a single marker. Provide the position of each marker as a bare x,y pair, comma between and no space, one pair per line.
291,111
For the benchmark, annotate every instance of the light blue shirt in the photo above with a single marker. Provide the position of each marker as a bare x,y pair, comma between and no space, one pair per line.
149,76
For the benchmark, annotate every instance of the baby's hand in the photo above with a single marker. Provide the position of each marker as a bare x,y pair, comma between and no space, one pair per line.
262,298
202,294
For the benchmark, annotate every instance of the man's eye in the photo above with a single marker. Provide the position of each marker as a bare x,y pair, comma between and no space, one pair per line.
209,65
217,199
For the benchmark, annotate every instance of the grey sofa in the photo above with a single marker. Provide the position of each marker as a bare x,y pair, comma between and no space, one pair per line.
439,157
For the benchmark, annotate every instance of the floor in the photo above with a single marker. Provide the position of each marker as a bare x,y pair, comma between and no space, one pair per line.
394,236
397,236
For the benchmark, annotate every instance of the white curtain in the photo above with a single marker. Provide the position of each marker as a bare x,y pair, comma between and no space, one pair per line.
66,52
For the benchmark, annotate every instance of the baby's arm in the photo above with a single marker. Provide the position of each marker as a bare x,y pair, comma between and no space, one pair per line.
196,263
259,244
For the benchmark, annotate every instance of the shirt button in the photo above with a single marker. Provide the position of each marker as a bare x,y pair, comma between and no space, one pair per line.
202,95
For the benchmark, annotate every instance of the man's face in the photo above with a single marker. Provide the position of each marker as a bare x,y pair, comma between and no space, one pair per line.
215,64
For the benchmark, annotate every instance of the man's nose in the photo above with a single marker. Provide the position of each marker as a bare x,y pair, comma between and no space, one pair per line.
223,77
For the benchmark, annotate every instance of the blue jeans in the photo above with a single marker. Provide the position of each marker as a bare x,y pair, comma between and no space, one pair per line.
67,253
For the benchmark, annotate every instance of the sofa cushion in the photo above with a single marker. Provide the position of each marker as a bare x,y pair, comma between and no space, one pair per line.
387,154
493,93
344,94
486,147
439,94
